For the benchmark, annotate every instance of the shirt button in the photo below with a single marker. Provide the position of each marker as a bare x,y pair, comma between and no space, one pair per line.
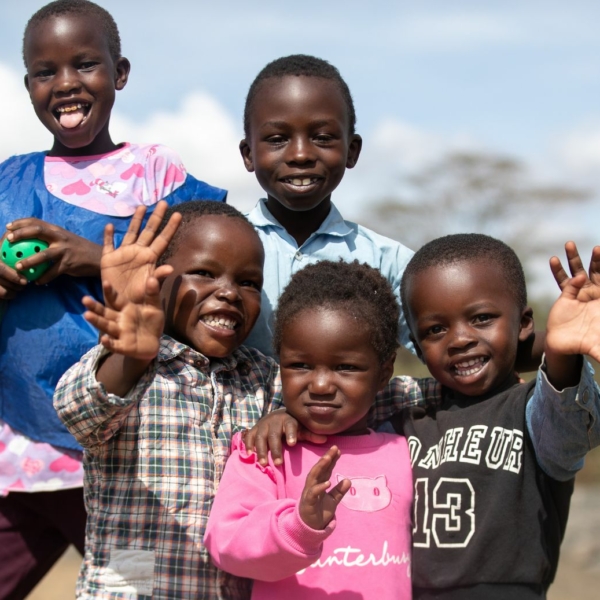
585,397
298,255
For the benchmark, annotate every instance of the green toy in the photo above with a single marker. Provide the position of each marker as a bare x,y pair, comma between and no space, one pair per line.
12,253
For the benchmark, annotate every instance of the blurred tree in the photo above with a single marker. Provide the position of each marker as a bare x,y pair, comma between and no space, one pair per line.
483,193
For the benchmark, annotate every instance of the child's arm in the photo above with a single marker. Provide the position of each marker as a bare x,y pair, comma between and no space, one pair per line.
563,413
264,536
132,333
94,396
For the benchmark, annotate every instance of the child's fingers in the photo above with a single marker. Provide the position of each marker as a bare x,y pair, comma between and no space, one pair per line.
340,490
108,242
595,265
162,272
560,275
322,469
575,264
102,324
148,234
571,288
134,227
162,240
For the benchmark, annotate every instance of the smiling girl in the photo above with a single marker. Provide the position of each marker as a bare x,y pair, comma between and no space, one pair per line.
333,520
72,53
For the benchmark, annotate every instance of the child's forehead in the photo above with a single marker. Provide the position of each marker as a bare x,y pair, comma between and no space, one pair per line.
64,27
477,278
293,91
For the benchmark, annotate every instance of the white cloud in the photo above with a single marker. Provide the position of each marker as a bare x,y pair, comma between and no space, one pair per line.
21,131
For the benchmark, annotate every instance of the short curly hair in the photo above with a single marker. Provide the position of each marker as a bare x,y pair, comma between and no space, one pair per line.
192,210
299,65
357,288
468,247
103,20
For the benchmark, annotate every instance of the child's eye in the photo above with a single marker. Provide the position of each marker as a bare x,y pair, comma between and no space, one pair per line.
44,74
88,65
202,273
254,284
434,330
275,140
324,138
299,366
483,318
346,367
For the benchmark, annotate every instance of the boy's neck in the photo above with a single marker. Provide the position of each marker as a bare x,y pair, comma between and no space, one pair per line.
300,224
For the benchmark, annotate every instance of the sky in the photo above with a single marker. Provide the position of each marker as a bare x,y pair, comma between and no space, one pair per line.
503,76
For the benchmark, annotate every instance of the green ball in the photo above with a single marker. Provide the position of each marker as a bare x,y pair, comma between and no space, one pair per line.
12,253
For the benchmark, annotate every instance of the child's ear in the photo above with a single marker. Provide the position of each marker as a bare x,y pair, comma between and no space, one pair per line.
247,156
417,349
354,149
387,370
527,325
122,68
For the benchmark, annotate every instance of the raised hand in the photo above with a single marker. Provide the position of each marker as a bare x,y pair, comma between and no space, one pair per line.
135,330
70,254
125,270
317,506
574,321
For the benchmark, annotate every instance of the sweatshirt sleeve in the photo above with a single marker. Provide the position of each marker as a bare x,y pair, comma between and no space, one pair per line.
89,412
253,531
564,425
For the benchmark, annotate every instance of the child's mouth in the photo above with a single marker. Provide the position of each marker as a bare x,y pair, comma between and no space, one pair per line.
219,322
470,367
300,182
72,115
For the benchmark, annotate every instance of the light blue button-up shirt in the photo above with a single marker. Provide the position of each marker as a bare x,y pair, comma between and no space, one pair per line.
334,239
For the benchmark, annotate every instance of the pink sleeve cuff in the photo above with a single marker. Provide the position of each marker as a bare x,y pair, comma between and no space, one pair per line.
298,535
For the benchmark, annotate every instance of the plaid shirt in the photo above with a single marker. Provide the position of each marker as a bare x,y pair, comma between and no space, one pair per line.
153,461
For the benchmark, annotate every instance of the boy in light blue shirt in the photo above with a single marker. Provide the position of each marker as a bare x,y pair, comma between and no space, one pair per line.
299,125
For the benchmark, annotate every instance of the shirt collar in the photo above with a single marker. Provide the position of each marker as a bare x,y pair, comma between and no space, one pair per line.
333,224
171,349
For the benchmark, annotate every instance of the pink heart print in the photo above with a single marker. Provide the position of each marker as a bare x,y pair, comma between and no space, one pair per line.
65,463
78,187
173,174
135,170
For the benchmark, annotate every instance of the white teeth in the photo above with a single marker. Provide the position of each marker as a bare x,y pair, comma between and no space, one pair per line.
301,181
225,322
469,367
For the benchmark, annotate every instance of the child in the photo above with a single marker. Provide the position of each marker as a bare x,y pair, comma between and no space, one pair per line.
335,334
65,197
156,414
299,126
493,464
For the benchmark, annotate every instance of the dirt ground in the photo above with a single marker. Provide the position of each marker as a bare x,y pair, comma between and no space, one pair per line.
578,574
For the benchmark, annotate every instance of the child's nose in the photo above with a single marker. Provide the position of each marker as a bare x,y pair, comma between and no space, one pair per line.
461,336
300,151
67,81
321,383
228,291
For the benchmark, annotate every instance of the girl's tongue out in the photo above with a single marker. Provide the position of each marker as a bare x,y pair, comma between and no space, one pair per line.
71,116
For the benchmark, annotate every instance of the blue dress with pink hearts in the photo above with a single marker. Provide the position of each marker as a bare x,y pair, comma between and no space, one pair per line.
43,332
